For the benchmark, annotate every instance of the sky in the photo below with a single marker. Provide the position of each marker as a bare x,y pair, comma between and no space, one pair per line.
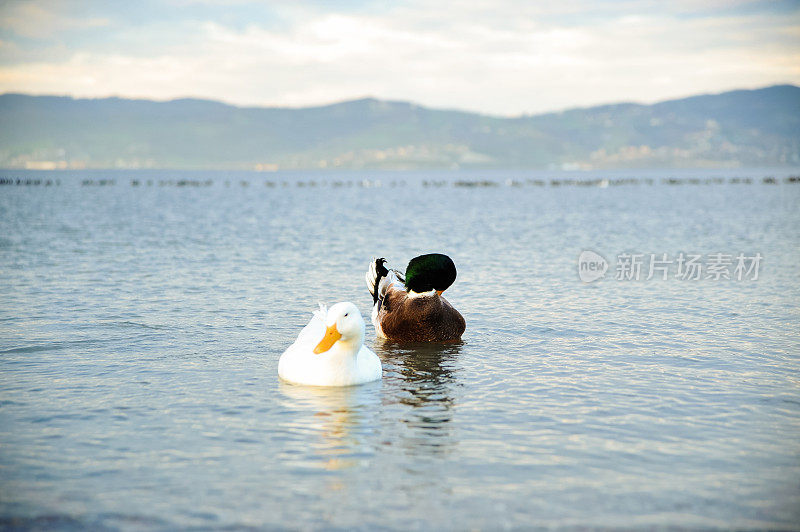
499,57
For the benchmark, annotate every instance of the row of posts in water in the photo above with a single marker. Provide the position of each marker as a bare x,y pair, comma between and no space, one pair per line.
377,183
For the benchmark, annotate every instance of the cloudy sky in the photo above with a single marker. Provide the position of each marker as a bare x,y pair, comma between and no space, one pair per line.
503,57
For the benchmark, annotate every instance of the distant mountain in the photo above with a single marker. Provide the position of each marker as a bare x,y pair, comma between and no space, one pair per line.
740,128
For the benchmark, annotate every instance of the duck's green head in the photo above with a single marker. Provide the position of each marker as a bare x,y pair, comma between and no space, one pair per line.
433,271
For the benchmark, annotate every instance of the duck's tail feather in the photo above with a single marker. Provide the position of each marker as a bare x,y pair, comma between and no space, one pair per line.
322,312
375,273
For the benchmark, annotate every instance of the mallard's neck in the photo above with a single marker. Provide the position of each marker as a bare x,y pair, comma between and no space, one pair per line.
429,293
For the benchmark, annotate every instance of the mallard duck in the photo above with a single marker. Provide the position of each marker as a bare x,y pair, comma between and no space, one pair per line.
410,307
330,350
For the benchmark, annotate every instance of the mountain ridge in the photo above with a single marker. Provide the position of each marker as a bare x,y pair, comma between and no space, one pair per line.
374,99
735,128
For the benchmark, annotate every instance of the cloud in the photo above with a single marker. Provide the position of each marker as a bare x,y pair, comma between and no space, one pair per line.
494,57
42,21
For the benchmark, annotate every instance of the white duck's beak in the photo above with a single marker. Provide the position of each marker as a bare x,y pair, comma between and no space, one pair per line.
332,335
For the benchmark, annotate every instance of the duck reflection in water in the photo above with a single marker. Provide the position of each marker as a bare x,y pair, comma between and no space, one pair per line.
332,423
340,428
427,372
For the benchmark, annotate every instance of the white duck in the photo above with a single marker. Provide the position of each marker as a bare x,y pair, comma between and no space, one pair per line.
330,350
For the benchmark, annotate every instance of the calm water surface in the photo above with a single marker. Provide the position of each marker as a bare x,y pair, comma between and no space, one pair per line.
140,330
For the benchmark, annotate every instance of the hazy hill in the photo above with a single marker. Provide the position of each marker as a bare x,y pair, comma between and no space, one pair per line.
739,128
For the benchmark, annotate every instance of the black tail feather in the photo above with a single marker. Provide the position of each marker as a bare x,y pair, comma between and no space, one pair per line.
376,272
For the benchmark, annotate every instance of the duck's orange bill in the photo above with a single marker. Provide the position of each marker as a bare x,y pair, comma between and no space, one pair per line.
439,292
331,336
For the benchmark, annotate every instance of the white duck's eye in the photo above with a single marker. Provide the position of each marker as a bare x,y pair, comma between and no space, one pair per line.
345,314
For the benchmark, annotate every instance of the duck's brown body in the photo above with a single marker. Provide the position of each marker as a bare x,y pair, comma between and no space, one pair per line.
428,317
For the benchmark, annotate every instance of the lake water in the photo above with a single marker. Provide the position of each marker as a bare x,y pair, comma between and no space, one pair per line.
142,315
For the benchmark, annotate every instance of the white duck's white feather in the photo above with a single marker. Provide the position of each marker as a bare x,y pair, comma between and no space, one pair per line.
346,363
